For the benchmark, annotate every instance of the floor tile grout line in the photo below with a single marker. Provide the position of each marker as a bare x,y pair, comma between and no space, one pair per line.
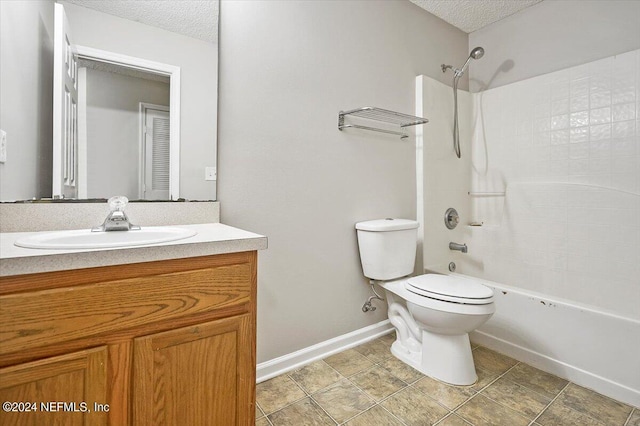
391,414
408,383
309,394
518,384
535,391
430,397
500,376
306,395
323,409
355,385
451,413
348,378
549,404
483,388
371,397
530,388
268,420
521,414
365,392
371,408
260,409
573,409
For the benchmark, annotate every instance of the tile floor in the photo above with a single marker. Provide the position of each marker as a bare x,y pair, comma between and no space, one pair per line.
368,386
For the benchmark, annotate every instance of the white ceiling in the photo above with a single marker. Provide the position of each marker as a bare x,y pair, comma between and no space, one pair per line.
193,18
199,18
471,15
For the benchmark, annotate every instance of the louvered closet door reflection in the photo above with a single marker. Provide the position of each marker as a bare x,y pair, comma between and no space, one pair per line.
157,144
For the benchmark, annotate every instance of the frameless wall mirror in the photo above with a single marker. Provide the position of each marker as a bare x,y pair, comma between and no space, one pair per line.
109,97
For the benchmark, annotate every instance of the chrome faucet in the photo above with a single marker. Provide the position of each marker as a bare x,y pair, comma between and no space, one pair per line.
459,247
116,220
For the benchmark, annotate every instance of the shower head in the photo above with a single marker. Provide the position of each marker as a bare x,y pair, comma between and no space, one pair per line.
476,53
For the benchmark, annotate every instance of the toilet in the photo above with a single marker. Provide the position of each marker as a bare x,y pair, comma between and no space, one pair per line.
432,314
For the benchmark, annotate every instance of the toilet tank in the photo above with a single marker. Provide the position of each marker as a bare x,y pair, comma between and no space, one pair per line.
387,247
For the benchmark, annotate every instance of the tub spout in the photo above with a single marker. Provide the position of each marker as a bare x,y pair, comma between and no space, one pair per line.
459,247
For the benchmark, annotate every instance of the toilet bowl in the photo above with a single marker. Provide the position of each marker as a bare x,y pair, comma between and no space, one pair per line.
433,334
432,314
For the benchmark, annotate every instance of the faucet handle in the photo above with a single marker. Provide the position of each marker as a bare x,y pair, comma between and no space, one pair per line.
118,203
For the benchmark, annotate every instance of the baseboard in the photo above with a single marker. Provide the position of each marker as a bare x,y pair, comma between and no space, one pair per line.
272,368
561,369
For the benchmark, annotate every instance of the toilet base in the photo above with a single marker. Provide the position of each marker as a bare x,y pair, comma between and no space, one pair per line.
446,358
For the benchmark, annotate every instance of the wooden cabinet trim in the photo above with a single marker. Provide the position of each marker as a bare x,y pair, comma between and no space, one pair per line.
48,280
41,318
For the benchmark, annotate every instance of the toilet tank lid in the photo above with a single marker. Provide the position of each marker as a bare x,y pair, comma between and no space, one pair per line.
389,224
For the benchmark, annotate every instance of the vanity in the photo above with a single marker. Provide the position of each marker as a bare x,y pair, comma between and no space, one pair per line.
149,335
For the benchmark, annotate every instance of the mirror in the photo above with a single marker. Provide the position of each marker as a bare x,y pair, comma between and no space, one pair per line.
179,35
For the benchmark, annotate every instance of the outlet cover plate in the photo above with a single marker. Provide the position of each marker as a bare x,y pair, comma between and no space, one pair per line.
210,173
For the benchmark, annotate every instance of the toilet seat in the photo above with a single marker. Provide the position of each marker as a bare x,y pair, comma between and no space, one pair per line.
400,288
450,289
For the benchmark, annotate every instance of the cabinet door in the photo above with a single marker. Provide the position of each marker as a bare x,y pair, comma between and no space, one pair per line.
62,390
198,375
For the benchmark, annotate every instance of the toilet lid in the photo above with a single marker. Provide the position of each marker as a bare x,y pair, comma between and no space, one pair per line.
450,289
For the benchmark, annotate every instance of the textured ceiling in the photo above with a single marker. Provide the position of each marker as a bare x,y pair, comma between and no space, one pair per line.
199,18
193,18
471,15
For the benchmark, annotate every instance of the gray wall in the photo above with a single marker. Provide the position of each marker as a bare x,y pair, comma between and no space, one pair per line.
551,36
198,62
286,69
113,128
26,97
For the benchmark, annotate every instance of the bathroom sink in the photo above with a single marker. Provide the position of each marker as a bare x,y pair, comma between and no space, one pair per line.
86,239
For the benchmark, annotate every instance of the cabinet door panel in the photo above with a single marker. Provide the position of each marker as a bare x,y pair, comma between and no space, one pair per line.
73,379
199,375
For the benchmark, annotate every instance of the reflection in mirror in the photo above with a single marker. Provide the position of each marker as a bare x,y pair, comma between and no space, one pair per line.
108,161
123,132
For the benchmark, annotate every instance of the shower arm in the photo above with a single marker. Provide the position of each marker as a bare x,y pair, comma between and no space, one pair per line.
446,67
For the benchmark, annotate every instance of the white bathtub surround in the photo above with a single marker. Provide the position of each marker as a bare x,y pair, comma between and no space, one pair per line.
555,178
445,178
566,148
592,348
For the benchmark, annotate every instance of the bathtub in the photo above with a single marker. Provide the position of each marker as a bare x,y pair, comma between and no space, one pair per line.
592,348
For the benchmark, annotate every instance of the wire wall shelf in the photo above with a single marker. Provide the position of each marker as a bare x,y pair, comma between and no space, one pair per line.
381,115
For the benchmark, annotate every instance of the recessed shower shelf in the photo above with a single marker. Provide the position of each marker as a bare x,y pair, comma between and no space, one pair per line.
382,115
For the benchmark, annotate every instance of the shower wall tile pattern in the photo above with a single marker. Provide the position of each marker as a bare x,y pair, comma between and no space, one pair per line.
566,148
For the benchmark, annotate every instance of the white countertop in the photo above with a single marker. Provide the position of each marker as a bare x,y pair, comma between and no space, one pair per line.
211,238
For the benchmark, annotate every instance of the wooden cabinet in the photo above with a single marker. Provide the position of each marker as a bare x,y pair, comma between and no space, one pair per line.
203,364
158,343
37,389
